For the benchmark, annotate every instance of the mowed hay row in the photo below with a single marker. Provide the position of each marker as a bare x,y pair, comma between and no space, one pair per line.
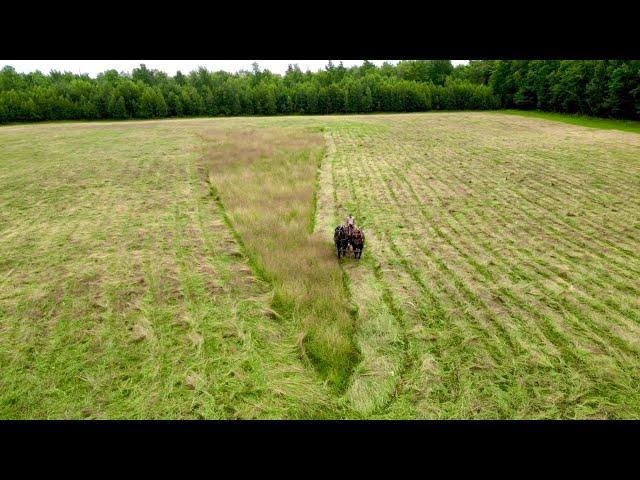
266,180
510,245
122,294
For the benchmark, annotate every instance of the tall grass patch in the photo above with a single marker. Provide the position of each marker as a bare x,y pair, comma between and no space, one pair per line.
265,179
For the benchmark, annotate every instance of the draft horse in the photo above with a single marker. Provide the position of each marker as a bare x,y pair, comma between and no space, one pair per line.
341,239
356,240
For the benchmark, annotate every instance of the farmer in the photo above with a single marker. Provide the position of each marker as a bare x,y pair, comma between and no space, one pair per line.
351,224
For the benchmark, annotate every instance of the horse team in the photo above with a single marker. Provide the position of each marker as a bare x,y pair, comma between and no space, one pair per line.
346,236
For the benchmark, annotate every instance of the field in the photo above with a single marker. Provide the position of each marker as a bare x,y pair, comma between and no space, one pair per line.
185,268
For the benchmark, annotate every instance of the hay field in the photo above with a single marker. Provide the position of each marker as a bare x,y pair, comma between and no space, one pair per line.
185,269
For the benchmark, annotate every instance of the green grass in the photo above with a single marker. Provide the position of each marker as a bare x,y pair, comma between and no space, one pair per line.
581,120
185,268
509,248
123,292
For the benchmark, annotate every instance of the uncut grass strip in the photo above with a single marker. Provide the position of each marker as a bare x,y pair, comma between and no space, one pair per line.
341,321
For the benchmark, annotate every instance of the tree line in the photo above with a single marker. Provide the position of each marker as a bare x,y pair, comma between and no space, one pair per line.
592,87
602,88
409,86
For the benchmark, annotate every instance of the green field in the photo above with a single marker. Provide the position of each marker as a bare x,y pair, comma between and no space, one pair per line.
185,268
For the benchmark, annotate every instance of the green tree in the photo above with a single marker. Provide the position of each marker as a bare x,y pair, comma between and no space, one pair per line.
117,107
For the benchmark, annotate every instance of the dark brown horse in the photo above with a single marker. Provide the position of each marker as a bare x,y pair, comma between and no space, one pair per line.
356,240
341,239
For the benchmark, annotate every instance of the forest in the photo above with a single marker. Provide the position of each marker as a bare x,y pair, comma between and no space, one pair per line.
604,88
